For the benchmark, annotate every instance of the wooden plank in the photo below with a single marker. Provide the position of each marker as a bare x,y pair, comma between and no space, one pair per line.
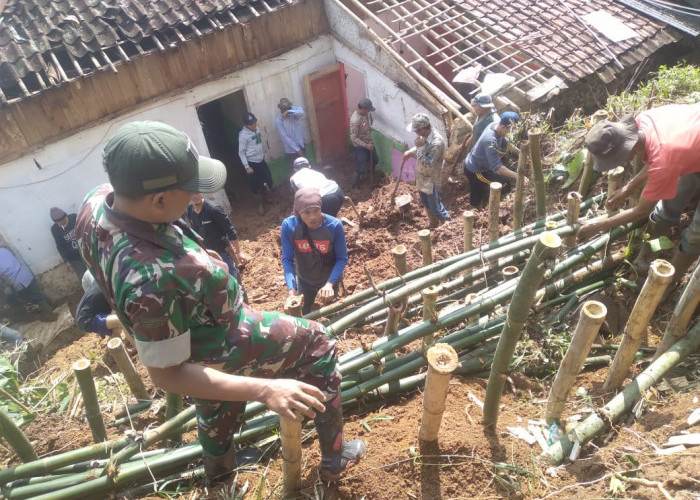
311,115
11,137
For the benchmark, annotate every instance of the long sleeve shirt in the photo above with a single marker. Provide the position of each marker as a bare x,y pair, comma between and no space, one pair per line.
308,177
250,146
65,240
13,273
213,225
486,154
360,127
430,158
291,131
315,266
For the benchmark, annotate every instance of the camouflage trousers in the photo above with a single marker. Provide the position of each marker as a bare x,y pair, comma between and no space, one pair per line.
267,345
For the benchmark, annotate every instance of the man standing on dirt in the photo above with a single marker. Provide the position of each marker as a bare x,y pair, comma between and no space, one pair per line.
291,131
485,115
250,151
214,226
483,164
192,330
314,251
668,137
429,151
63,234
362,145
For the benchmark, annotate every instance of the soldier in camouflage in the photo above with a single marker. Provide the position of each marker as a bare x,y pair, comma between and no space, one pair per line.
192,330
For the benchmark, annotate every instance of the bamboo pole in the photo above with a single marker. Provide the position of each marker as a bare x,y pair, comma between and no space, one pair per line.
394,316
638,164
678,324
116,348
430,296
494,207
534,135
442,361
399,255
468,222
614,182
660,275
600,421
290,434
588,174
83,373
173,407
509,272
292,306
426,247
16,439
572,215
543,255
590,319
518,204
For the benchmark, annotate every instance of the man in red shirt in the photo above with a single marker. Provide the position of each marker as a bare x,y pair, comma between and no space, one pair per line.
669,139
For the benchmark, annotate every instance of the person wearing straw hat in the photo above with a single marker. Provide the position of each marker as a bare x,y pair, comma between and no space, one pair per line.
668,138
429,151
192,330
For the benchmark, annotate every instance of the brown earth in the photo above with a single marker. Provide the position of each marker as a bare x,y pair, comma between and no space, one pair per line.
467,461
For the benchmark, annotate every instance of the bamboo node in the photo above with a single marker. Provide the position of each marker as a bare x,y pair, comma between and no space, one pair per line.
663,268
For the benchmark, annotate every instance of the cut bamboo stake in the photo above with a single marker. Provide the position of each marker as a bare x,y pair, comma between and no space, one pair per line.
116,348
600,421
173,407
678,324
614,183
588,174
660,275
494,207
394,316
426,247
509,272
518,207
16,438
534,135
399,255
83,373
290,433
589,322
430,296
542,257
442,361
468,219
572,214
292,306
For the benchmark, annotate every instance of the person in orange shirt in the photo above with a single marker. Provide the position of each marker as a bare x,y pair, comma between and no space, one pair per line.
669,139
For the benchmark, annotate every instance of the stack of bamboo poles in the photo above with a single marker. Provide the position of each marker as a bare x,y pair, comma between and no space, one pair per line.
466,311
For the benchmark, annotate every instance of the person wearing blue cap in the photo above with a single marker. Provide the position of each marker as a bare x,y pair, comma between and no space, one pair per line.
483,164
252,157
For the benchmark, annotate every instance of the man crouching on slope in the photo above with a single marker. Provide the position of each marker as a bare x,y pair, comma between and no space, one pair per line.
193,332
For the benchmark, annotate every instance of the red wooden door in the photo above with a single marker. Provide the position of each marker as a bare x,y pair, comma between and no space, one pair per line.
328,115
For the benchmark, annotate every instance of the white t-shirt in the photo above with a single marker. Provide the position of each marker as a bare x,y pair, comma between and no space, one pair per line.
309,178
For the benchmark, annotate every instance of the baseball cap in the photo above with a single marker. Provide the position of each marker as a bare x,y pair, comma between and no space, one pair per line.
301,162
484,100
509,117
365,103
611,143
148,156
249,119
418,121
284,104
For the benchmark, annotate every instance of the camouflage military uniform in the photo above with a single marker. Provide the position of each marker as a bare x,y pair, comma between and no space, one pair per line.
182,305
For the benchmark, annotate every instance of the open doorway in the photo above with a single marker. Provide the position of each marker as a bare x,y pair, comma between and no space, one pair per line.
221,120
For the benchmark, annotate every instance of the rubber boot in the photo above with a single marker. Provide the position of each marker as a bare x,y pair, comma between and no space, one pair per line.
46,314
434,221
355,181
681,263
336,453
220,468
261,203
646,255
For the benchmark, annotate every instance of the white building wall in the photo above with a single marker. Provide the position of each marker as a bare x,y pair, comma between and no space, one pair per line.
73,166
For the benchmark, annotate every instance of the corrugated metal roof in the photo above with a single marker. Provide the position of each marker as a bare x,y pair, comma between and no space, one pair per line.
674,16
46,42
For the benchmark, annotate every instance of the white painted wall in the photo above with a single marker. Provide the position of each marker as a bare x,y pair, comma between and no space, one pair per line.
73,166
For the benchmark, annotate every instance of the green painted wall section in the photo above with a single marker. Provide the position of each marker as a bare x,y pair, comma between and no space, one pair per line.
280,170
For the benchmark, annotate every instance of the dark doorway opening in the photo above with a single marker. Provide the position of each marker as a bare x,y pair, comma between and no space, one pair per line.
221,120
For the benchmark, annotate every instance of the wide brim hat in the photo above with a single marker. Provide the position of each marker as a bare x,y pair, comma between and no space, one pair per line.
611,143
